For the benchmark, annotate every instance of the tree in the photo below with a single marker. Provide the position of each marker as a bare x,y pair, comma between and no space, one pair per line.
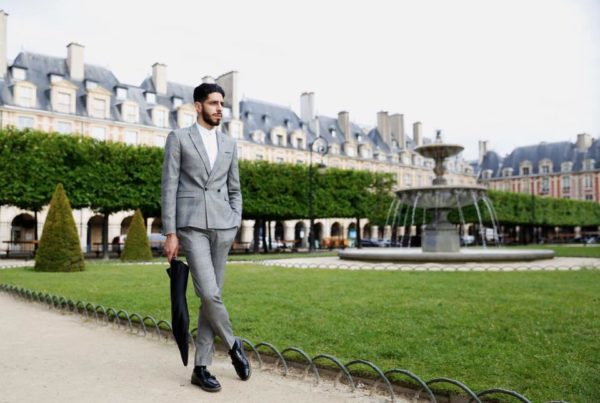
59,248
137,246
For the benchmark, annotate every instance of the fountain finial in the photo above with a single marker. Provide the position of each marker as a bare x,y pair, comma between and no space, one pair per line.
438,137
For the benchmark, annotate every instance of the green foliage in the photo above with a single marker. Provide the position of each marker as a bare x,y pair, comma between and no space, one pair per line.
519,208
59,248
137,245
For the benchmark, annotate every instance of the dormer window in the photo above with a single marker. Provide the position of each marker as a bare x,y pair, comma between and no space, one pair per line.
507,171
177,102
160,117
26,96
525,168
150,97
486,174
588,164
130,112
89,84
332,132
258,136
121,93
19,73
55,78
358,137
566,166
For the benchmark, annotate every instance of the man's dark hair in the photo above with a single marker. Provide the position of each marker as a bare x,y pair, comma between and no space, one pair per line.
202,91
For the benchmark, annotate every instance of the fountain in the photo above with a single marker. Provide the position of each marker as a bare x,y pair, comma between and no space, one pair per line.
441,239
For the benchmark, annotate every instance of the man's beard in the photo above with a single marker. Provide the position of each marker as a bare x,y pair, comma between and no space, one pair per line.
210,120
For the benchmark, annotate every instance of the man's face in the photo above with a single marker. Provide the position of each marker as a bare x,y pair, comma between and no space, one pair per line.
211,109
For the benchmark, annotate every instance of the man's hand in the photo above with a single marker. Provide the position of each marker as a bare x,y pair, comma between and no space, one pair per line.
171,246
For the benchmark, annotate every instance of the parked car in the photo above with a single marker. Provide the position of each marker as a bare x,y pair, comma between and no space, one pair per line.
157,241
371,243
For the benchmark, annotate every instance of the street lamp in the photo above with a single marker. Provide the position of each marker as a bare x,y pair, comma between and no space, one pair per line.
321,147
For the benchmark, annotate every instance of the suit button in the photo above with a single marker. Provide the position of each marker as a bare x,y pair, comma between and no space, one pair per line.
206,189
219,190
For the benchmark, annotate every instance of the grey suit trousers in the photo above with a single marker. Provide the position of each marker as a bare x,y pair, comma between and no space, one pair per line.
206,252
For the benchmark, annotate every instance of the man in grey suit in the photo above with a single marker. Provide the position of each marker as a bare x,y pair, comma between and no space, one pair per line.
201,213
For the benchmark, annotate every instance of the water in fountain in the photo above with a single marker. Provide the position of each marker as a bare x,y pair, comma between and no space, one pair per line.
440,240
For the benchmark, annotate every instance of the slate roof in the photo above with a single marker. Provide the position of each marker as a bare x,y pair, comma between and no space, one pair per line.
558,153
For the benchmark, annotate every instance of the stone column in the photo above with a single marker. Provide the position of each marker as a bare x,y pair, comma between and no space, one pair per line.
247,231
387,232
289,228
374,231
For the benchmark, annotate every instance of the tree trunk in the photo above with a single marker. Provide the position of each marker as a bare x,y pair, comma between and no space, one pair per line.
264,235
105,236
35,230
358,234
256,236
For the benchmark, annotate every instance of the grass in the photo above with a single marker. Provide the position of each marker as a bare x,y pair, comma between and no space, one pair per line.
533,332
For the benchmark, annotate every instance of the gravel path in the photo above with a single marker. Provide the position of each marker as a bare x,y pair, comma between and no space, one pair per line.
49,356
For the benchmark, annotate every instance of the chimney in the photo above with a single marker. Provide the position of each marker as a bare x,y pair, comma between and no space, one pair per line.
75,61
418,134
383,126
208,79
159,78
344,123
584,141
483,149
397,130
307,106
230,83
3,61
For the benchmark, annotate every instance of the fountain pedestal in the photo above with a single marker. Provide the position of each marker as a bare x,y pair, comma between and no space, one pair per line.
441,235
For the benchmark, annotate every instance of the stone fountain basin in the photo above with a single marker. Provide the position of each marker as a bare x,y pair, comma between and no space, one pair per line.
441,196
491,254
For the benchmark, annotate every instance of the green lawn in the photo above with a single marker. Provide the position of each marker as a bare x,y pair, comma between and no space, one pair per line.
533,332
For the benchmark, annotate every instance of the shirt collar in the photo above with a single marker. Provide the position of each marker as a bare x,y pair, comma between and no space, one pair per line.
206,132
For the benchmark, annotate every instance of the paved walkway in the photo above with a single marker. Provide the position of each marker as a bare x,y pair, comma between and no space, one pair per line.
49,356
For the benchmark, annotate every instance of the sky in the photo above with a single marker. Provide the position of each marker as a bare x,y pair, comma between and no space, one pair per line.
513,72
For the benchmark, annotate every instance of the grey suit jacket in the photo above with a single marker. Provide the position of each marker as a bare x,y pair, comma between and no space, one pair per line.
193,195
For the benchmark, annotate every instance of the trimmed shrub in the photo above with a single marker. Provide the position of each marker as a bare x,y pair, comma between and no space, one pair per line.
59,248
137,245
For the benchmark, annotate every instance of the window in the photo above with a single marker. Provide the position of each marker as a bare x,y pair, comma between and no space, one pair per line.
589,197
160,117
588,164
407,180
98,108
507,172
279,160
279,140
131,137
89,84
332,132
299,143
25,96
587,181
131,113
260,157
177,102
525,188
566,166
64,127
25,122
566,184
159,141
98,133
151,97
525,171
18,73
545,185
121,93
188,119
486,174
545,169
63,102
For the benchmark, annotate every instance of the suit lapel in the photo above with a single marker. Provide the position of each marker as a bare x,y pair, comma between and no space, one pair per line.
197,141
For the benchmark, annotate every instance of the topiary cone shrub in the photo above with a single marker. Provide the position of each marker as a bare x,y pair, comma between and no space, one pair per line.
59,248
137,245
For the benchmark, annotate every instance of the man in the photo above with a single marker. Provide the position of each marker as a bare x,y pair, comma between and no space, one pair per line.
201,213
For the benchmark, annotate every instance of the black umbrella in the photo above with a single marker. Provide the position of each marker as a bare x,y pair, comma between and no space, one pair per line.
180,318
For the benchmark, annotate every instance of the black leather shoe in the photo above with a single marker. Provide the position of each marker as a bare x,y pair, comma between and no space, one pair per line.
239,361
201,377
